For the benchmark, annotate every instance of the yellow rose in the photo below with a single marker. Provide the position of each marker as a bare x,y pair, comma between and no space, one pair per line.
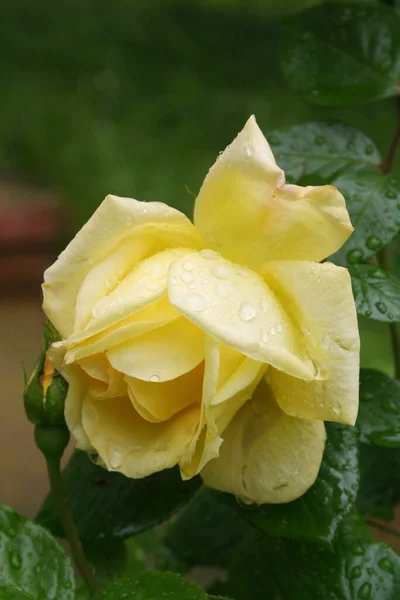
220,346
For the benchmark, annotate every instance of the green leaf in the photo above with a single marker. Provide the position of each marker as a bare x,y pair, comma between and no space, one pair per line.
33,566
207,530
316,152
340,54
153,586
317,514
107,504
379,414
380,482
357,568
373,202
376,292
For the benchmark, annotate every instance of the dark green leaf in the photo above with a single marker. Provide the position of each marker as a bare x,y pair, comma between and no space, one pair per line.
379,415
342,54
33,566
357,568
108,504
153,586
376,292
373,201
217,598
380,481
317,514
207,530
316,152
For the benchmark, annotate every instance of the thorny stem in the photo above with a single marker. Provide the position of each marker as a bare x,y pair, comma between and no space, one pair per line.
384,528
64,509
386,167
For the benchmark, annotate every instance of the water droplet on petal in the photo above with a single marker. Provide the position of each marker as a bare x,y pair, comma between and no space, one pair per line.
195,302
188,265
222,290
221,272
115,459
250,149
154,378
186,277
264,336
272,330
247,312
208,254
264,304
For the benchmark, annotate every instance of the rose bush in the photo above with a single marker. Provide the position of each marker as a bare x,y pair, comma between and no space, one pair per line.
221,346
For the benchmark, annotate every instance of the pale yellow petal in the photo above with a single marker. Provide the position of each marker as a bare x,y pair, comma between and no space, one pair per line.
245,211
267,456
229,381
236,307
320,300
131,445
161,354
77,391
105,382
159,401
116,220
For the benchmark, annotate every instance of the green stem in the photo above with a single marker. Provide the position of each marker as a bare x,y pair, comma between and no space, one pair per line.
64,509
385,263
384,528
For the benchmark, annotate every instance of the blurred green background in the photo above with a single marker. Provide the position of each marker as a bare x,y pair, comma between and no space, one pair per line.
135,98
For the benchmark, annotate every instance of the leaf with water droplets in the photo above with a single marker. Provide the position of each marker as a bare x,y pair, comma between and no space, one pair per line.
373,202
356,568
343,54
314,153
108,504
33,565
379,416
155,585
376,292
317,514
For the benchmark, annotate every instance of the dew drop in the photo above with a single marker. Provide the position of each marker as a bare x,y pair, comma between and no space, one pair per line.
186,277
357,549
242,272
278,328
264,304
154,378
274,140
15,560
319,140
355,573
272,331
208,254
188,265
264,336
221,272
245,503
373,243
355,256
386,565
38,569
195,302
191,286
247,312
391,194
222,290
381,306
250,149
369,149
364,593
390,406
115,459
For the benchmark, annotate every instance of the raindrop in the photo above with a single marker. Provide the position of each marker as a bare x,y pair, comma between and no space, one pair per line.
192,286
186,277
365,590
274,140
390,406
242,272
386,565
195,302
385,64
355,573
264,305
220,271
381,306
116,459
272,330
250,149
222,290
188,266
279,328
208,254
245,503
264,336
154,378
369,149
391,194
247,312
358,549
15,560
373,243
355,256
351,145
319,140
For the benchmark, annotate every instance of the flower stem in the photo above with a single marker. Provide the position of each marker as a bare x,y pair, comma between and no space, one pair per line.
64,509
384,528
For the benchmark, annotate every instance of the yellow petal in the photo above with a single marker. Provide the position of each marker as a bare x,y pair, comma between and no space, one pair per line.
77,391
245,211
161,354
229,381
157,402
320,300
267,456
131,445
104,382
236,307
114,222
